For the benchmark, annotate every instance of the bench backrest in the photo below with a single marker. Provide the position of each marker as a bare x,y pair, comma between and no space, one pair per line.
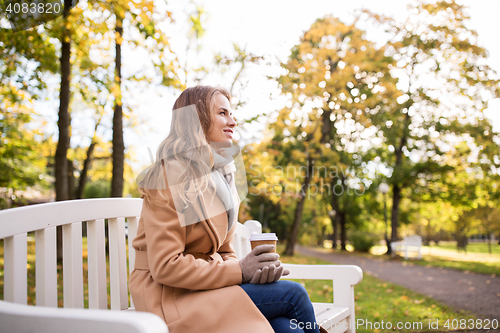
413,240
122,214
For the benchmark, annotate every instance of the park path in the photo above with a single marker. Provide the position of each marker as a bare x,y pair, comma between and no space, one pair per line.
478,293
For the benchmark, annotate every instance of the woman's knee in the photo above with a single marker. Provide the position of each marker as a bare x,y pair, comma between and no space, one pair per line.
295,288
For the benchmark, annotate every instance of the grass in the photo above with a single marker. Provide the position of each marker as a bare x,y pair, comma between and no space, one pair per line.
477,259
380,302
471,248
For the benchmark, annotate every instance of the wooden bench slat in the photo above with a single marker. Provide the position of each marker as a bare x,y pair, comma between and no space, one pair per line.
36,217
96,249
72,265
46,267
15,268
132,223
327,312
117,264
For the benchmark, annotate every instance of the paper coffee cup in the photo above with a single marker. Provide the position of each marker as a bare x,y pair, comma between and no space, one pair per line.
266,238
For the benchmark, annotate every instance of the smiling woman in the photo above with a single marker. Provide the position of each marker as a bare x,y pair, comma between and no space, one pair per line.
186,270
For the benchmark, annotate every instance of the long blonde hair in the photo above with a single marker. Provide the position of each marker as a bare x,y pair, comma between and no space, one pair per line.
188,145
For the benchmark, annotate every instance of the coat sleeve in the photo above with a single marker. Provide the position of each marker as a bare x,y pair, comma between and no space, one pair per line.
226,250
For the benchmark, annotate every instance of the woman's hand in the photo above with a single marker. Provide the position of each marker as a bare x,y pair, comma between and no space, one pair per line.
269,274
259,258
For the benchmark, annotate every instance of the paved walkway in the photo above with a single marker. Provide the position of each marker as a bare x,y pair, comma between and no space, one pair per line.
478,293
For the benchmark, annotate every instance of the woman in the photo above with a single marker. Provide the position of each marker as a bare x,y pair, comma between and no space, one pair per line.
186,270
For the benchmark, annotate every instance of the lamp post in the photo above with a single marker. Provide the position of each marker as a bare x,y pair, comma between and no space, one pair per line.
384,189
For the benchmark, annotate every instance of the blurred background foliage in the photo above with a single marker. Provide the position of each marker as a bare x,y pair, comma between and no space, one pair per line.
408,113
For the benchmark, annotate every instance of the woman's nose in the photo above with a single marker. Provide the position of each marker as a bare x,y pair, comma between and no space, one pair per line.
231,122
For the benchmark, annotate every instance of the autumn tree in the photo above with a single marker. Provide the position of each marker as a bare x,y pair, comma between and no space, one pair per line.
26,55
336,81
445,86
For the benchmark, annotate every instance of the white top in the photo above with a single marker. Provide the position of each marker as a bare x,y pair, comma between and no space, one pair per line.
264,236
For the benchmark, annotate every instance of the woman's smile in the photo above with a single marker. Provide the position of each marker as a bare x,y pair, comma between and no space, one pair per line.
223,122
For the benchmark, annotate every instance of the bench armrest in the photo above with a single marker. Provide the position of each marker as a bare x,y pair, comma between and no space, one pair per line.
344,277
28,318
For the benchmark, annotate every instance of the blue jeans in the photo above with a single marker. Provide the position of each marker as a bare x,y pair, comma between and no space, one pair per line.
285,304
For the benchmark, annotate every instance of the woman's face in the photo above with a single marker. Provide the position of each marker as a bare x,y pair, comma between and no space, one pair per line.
223,123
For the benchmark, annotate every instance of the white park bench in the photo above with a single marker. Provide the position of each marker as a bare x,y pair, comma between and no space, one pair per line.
17,224
408,244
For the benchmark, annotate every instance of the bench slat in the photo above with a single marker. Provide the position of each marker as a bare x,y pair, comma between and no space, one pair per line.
15,268
36,217
96,250
117,264
132,223
72,265
327,314
46,267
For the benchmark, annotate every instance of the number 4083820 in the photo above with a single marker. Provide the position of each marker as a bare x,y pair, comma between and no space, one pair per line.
485,324
34,8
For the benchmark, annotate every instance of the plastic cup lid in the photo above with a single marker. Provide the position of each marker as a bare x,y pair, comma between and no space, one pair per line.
264,236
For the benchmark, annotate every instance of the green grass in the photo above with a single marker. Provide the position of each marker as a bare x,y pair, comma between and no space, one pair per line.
477,259
471,247
491,268
378,301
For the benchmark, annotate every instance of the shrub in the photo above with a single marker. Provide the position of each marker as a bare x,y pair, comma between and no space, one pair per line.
362,241
97,189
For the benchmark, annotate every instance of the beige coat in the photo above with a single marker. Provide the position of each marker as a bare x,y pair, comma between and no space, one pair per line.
189,275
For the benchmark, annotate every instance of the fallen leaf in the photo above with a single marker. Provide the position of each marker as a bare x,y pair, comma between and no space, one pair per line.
405,298
471,288
407,312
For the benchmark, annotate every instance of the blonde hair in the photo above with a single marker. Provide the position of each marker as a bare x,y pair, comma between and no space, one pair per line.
189,146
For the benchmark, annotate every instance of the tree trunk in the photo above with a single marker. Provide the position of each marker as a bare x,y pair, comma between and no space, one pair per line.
396,190
340,218
71,180
118,144
396,198
292,237
343,233
335,224
335,236
63,124
85,169
386,237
